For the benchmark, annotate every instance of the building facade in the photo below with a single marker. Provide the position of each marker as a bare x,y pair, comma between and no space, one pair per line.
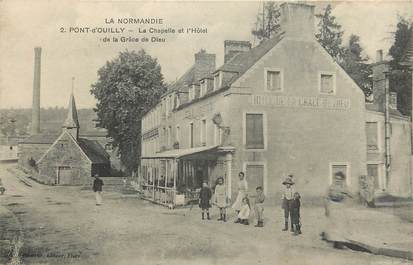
283,107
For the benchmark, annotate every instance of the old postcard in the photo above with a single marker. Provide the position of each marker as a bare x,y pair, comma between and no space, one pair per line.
186,132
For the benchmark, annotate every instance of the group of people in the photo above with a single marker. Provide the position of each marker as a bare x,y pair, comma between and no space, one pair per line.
242,206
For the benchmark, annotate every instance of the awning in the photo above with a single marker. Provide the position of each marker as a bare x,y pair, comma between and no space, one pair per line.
184,153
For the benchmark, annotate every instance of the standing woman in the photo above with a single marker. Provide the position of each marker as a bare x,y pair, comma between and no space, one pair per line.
242,192
338,203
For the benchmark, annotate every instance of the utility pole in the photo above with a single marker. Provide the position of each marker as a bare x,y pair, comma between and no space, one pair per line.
387,126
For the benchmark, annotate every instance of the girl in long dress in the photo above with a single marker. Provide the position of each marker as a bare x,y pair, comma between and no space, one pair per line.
221,199
242,192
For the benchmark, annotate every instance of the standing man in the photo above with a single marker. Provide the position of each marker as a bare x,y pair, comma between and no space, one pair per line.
287,197
97,188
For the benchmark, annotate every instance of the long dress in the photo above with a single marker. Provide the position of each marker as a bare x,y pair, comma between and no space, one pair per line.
220,196
242,192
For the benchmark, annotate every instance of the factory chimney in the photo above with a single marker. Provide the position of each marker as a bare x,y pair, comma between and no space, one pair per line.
36,91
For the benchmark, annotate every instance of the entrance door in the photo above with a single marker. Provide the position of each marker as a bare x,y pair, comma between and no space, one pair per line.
373,172
65,176
255,178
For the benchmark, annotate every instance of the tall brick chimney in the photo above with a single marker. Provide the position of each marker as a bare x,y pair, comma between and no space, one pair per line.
380,67
36,91
297,20
233,47
204,64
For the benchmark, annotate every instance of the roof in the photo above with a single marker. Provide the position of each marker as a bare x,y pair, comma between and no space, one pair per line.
71,121
40,139
94,151
180,153
243,61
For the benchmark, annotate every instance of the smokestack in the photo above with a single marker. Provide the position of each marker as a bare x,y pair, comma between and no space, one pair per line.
36,91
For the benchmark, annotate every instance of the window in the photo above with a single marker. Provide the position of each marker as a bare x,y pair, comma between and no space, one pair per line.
256,175
273,80
217,135
169,136
393,100
191,93
254,131
203,88
336,168
327,83
372,136
203,132
191,134
373,172
177,133
217,80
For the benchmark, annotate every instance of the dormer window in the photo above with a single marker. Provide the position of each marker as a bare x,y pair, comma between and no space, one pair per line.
327,83
191,93
217,80
203,87
196,91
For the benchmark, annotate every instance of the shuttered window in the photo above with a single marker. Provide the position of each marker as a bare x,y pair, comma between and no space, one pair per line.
273,80
327,84
254,134
372,137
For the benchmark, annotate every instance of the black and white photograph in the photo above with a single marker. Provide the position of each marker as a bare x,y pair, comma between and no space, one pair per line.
140,132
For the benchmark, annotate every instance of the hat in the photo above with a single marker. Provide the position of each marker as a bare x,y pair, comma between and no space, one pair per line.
288,180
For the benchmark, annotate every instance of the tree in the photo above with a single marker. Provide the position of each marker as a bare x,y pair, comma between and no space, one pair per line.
401,77
126,88
355,64
267,24
329,34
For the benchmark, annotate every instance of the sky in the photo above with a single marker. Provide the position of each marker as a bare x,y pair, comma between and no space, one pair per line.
25,24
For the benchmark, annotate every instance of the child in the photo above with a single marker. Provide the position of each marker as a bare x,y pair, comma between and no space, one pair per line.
2,189
287,198
244,212
205,199
295,214
221,199
259,207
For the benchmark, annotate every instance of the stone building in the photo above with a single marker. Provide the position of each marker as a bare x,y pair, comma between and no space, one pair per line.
282,107
66,159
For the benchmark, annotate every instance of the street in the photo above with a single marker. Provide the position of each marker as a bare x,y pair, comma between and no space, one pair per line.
62,225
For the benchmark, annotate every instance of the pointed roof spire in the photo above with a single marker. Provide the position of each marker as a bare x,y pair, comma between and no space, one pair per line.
71,120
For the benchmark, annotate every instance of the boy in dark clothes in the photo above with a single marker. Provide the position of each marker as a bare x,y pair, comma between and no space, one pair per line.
205,196
295,214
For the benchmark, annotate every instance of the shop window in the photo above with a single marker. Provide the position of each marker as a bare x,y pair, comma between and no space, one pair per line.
254,131
327,83
273,79
372,136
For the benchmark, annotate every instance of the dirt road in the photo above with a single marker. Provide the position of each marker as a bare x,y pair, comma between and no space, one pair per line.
62,225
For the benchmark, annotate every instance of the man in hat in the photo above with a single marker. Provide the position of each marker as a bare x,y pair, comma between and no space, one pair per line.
97,188
287,197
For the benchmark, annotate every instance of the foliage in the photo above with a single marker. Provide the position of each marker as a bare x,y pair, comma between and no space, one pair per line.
267,24
126,88
355,64
401,77
329,34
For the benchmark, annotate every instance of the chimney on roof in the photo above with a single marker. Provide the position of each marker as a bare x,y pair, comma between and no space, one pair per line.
379,56
380,68
36,92
297,20
233,47
204,64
